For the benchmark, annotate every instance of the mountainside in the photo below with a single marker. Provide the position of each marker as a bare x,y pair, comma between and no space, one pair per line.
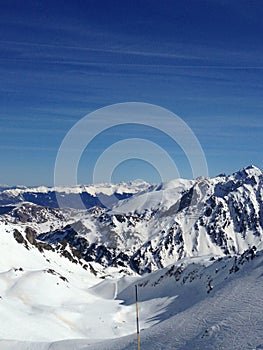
182,218
198,303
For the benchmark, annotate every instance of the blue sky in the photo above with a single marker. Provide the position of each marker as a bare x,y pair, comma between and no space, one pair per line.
60,60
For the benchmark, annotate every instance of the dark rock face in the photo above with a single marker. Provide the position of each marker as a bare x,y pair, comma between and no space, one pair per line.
30,235
19,238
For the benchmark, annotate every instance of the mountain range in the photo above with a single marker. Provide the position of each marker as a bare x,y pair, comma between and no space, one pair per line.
185,243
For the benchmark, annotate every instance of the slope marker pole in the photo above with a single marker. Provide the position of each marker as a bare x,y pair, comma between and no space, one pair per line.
137,318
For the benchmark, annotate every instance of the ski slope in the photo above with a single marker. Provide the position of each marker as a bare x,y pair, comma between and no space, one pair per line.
230,318
197,303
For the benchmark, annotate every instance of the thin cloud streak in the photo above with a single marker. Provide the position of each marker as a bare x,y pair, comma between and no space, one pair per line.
27,148
19,130
120,51
103,64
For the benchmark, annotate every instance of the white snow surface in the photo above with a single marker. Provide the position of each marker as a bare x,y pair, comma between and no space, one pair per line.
159,197
46,297
41,310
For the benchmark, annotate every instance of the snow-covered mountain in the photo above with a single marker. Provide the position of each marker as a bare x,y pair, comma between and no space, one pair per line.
73,271
91,195
183,218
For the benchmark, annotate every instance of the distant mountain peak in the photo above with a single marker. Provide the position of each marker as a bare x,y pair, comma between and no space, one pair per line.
250,170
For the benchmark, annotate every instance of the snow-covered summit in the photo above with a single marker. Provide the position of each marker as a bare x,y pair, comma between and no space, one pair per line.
248,171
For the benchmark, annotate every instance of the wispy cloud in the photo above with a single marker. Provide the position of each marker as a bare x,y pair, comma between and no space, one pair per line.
195,56
27,148
28,130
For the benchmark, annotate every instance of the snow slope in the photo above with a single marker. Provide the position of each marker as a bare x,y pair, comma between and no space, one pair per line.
183,314
43,291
